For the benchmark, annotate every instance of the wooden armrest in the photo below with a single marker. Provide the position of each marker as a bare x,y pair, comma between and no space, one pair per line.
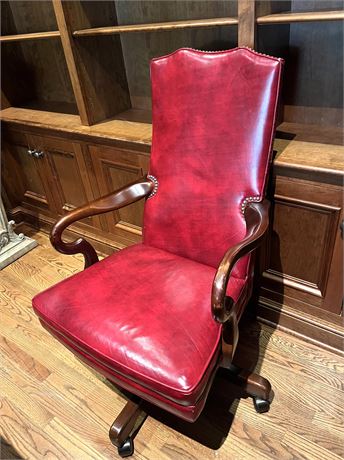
126,195
257,222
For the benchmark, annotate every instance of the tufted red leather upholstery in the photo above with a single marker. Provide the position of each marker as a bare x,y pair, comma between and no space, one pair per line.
142,316
130,312
213,116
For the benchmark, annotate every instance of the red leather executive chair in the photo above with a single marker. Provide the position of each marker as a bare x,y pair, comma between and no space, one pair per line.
159,318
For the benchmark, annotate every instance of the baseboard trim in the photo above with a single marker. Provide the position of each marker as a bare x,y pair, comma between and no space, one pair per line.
309,328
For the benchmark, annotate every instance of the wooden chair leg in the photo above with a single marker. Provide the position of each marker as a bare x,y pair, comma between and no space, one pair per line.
256,386
121,429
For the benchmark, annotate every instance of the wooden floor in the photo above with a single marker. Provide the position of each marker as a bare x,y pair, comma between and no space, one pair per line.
52,406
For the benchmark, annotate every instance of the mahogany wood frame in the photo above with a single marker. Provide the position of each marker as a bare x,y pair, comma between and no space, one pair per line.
126,195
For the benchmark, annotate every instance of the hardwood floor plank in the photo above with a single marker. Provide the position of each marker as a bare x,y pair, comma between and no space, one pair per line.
29,407
76,446
10,351
282,419
25,436
53,406
304,449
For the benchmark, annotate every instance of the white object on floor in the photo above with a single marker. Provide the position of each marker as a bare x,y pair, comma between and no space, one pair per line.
12,246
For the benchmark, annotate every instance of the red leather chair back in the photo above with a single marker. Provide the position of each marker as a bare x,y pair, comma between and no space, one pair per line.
213,126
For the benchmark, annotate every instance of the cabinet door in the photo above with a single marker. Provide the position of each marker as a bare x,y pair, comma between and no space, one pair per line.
115,168
27,178
305,254
71,186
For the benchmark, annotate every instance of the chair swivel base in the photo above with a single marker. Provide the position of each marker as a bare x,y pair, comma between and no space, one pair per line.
254,385
121,432
125,426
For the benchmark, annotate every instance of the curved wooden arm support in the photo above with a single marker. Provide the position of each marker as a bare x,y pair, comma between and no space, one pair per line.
257,221
118,199
223,307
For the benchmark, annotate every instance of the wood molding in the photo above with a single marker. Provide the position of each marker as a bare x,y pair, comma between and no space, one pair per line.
314,288
325,334
247,23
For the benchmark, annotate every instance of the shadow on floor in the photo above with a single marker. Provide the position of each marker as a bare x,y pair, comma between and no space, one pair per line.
7,452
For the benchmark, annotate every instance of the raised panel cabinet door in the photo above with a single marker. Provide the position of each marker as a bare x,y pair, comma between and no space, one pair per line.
304,256
115,168
26,174
71,186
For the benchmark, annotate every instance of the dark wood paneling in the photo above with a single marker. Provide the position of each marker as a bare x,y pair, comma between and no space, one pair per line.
20,17
68,172
115,168
300,270
35,75
96,64
314,68
25,177
303,260
139,48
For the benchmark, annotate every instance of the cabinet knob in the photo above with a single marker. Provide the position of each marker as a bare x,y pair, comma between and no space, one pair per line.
35,153
38,154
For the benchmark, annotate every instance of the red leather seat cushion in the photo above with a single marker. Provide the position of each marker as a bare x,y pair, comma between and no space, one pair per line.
145,314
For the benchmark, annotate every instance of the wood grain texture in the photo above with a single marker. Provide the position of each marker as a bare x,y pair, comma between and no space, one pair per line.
247,23
116,128
72,63
135,126
99,75
53,406
156,27
32,36
308,16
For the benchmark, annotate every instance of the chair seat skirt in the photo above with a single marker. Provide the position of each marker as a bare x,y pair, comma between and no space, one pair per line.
142,318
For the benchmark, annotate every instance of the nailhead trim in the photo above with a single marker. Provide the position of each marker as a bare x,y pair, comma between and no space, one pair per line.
156,185
249,199
239,47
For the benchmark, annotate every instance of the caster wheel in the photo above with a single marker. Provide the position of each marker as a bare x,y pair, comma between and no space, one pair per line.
126,449
261,405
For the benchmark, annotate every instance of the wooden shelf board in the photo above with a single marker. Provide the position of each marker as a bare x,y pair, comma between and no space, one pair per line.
310,133
294,146
155,27
116,128
32,36
301,17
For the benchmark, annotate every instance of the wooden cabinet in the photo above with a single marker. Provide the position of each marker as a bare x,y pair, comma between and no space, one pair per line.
115,168
26,174
67,171
302,283
306,216
47,175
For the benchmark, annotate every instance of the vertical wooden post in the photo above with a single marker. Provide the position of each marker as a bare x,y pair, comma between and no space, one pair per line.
98,76
71,59
247,23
